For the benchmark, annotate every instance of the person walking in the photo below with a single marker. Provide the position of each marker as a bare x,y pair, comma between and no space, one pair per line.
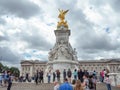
9,81
27,77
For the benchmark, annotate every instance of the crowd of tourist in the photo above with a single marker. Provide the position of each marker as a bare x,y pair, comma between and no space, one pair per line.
66,80
76,80
76,74
82,80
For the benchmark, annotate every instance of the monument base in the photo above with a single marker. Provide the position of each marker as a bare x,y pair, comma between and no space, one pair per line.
61,65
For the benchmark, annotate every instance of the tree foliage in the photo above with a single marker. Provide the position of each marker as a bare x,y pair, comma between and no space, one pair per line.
14,70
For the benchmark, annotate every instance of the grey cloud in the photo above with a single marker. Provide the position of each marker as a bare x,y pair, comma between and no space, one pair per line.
20,8
2,21
3,38
115,4
36,40
89,40
86,56
62,4
97,3
8,56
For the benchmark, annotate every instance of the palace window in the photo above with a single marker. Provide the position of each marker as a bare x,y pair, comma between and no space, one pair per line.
91,68
23,68
117,67
29,69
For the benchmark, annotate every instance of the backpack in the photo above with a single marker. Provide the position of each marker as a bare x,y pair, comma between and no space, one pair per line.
91,84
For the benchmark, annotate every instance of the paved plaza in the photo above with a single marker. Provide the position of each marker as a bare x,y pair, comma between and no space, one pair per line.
32,86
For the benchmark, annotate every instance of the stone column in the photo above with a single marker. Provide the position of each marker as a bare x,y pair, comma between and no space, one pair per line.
31,70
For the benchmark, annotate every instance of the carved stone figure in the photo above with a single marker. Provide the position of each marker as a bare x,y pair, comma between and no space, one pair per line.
75,54
50,57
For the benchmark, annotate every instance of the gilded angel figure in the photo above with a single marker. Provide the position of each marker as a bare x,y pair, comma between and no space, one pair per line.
62,14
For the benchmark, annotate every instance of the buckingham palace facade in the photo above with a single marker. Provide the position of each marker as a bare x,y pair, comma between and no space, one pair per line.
30,66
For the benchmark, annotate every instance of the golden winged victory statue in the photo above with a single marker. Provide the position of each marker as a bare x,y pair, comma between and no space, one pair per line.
62,21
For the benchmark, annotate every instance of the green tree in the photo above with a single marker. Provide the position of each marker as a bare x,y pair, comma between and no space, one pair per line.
5,68
1,67
15,71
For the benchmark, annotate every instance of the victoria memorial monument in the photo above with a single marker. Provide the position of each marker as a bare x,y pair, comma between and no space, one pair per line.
62,55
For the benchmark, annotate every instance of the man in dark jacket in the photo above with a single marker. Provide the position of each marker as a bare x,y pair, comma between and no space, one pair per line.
80,75
41,76
64,74
69,74
9,80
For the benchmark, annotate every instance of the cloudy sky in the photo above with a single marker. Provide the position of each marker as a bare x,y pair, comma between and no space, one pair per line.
27,28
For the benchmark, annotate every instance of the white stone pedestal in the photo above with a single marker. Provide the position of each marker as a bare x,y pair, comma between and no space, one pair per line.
62,55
